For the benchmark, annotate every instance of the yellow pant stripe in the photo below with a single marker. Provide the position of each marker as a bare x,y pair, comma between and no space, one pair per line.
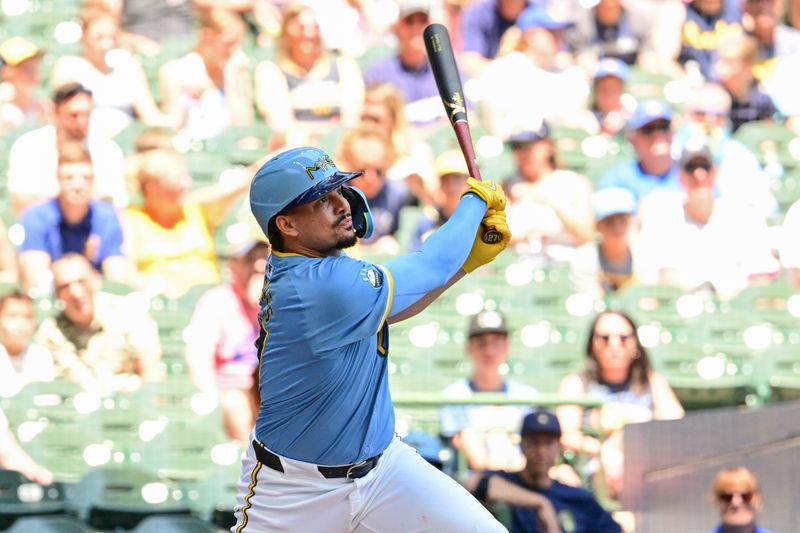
252,487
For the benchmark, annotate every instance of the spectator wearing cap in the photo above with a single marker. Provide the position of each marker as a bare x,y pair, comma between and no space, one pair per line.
550,210
610,107
485,434
409,69
71,222
706,23
739,175
220,347
576,509
33,159
19,102
650,133
483,25
738,498
694,239
609,263
534,77
451,169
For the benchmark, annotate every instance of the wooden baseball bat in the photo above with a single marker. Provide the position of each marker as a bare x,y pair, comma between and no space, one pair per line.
448,80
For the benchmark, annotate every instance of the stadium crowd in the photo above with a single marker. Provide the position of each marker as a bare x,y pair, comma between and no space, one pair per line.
641,143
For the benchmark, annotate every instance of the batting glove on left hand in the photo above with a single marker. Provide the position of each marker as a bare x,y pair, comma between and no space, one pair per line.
483,253
489,192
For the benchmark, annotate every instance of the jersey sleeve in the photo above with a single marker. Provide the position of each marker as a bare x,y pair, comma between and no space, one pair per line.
346,301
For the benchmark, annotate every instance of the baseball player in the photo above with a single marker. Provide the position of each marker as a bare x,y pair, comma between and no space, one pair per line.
325,457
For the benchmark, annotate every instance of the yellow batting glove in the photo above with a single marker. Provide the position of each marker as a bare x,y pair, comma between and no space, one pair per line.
489,192
483,253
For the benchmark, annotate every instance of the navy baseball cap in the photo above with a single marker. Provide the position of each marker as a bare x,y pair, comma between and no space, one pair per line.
540,17
611,67
648,111
540,421
293,178
487,322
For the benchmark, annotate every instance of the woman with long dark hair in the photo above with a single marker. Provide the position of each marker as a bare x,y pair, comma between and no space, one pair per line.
619,374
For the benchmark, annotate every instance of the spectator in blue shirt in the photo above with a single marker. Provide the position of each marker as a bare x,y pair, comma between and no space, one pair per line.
483,24
650,134
707,23
71,222
577,509
738,497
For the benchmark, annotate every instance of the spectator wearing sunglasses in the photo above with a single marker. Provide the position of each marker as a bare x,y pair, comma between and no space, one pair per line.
650,135
696,239
618,373
738,499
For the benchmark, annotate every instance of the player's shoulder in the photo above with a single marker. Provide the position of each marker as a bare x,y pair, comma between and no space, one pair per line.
331,273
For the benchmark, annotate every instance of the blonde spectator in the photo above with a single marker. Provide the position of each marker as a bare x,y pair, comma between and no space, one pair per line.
117,81
619,374
170,236
551,210
21,361
738,498
307,89
102,341
19,101
13,457
33,159
210,88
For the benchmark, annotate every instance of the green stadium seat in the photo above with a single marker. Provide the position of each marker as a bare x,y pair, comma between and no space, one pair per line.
121,497
187,452
69,451
245,145
20,497
782,372
786,190
48,524
766,137
213,497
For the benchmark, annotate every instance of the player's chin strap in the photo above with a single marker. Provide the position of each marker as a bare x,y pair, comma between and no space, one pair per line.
359,208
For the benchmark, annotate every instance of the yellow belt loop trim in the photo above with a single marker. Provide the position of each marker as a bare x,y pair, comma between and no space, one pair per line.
252,487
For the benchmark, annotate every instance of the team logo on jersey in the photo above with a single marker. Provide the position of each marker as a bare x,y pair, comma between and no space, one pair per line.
373,276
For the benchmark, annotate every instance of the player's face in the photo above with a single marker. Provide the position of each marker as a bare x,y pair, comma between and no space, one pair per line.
72,116
74,282
16,324
488,351
324,226
613,343
75,183
541,451
738,504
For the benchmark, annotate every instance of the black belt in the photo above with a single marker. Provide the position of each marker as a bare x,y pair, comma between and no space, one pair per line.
354,471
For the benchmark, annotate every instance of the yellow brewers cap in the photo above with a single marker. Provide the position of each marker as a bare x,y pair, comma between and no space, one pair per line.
15,50
450,162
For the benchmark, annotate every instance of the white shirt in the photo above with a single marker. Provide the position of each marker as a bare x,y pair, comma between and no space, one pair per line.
34,364
33,166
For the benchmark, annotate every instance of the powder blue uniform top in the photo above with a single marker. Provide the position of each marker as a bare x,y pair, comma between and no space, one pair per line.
324,387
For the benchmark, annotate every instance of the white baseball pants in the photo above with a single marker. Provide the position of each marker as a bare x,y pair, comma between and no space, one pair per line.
402,494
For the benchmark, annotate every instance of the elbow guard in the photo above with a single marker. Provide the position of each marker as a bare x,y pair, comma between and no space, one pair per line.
359,209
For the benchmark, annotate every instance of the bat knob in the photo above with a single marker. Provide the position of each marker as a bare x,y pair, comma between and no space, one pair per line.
491,235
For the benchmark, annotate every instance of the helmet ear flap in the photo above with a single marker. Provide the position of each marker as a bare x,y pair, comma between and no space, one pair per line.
359,208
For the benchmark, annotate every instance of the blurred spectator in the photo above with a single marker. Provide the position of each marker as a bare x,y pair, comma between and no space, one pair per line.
575,509
170,236
409,69
483,24
611,29
155,19
694,239
738,499
453,15
102,341
8,258
117,81
618,373
369,152
19,101
707,23
550,210
762,20
220,349
739,173
210,88
451,168
13,457
734,68
534,77
72,222
21,361
650,134
307,89
428,446
33,159
610,107
485,434
609,263
790,245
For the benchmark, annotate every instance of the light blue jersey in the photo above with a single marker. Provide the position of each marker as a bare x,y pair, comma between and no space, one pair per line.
324,341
